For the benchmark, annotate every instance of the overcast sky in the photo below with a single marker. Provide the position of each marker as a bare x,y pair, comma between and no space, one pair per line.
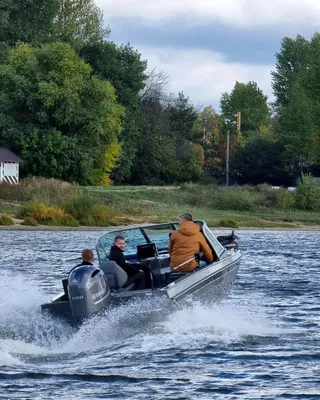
207,45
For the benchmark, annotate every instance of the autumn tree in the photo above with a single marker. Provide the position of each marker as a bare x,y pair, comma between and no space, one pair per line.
208,133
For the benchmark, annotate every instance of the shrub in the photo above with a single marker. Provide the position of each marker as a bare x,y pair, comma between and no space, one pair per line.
99,216
266,196
233,198
5,219
40,211
64,220
228,223
286,199
29,221
307,195
47,214
87,211
40,189
79,206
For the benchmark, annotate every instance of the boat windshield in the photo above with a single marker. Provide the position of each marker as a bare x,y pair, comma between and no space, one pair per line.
158,234
133,238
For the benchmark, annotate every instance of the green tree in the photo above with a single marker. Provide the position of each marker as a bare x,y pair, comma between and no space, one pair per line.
26,21
260,161
182,117
29,21
126,70
297,92
293,62
79,22
296,127
164,154
121,65
251,102
53,108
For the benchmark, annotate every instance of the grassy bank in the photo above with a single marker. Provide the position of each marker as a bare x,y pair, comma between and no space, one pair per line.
253,207
50,202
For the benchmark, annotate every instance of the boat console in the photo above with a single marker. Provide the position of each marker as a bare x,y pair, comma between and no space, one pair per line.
146,251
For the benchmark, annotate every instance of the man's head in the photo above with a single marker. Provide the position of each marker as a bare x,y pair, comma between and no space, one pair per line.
119,242
87,255
185,217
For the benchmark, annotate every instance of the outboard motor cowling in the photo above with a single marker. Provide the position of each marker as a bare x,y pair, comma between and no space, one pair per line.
88,290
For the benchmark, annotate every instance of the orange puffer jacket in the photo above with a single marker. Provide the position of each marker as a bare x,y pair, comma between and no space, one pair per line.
184,243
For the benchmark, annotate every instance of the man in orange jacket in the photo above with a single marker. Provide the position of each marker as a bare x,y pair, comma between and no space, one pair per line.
185,242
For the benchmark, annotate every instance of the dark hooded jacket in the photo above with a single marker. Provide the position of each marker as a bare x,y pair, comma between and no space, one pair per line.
184,243
117,255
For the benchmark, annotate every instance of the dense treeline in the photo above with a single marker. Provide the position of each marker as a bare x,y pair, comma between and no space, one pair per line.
76,106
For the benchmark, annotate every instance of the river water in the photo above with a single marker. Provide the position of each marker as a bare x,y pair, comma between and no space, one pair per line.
262,342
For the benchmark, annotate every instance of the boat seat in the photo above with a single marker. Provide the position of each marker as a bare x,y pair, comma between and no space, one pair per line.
115,275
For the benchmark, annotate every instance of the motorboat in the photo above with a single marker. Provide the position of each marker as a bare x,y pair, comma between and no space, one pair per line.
89,289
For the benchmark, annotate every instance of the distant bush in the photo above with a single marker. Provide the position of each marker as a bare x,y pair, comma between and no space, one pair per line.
64,220
5,219
50,215
286,199
266,196
228,223
29,221
40,189
85,209
307,195
99,216
79,205
233,198
40,211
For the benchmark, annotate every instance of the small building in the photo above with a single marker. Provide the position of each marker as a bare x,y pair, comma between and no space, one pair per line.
9,166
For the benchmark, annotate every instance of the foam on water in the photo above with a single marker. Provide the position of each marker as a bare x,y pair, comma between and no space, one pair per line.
194,324
23,328
199,325
6,359
26,331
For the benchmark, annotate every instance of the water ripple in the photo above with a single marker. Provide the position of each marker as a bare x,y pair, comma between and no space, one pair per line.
262,342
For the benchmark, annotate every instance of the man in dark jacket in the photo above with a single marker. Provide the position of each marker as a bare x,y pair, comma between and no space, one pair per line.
135,275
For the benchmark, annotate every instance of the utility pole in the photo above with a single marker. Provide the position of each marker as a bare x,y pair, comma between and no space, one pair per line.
238,125
227,158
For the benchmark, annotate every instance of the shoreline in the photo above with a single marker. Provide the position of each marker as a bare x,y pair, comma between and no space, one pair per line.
18,227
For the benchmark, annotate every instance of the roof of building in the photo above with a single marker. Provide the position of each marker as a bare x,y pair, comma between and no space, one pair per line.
7,156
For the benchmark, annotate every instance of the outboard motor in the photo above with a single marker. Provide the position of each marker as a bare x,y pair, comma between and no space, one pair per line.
88,290
229,241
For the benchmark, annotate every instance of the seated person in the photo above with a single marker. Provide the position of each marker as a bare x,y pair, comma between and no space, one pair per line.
87,256
185,242
135,275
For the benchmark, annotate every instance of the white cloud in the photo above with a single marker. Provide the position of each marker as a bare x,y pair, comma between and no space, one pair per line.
203,75
236,13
